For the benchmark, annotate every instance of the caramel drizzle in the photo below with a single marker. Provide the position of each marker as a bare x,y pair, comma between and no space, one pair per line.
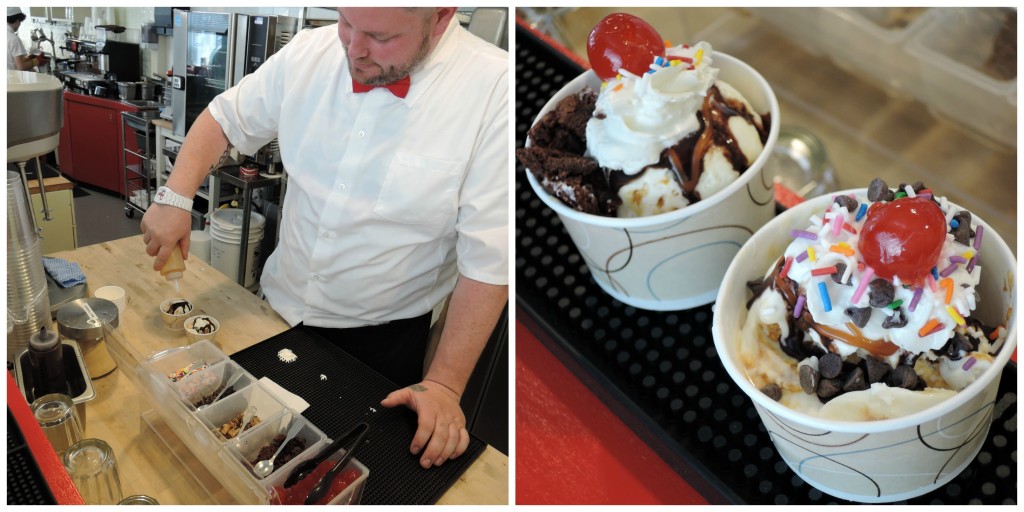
788,288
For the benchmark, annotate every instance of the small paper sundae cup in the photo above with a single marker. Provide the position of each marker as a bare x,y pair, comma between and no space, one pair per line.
674,260
174,311
879,460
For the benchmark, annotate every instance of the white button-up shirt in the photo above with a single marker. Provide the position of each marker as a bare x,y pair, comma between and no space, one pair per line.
14,48
388,199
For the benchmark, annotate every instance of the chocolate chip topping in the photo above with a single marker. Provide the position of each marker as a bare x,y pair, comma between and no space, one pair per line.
903,377
882,293
830,365
847,201
829,388
897,320
876,370
962,232
772,391
838,275
860,316
809,378
855,381
879,191
958,346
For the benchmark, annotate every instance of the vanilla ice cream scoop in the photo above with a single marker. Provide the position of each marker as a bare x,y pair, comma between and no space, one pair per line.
673,135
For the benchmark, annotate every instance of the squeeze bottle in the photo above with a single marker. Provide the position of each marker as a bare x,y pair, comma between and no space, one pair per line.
174,267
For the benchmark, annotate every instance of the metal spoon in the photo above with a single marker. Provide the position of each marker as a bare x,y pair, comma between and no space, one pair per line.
320,489
265,467
225,388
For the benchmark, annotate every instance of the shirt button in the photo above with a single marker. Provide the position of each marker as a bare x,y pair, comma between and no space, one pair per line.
362,133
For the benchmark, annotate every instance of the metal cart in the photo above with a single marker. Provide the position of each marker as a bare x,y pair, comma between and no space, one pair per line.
138,178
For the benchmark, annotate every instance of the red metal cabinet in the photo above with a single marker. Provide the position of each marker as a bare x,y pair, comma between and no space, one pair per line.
65,159
94,147
93,129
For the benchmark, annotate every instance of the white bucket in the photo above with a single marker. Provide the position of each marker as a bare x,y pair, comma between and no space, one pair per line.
226,234
199,245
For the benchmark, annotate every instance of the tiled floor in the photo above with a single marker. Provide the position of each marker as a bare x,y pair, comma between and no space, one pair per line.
100,217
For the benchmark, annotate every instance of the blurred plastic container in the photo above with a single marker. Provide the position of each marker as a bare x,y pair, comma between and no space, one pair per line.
246,448
869,42
195,387
952,51
799,24
229,460
226,409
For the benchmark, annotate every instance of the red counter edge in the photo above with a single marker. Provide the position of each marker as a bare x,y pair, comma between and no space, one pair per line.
50,466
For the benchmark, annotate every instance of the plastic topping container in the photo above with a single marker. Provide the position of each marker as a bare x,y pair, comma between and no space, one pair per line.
174,380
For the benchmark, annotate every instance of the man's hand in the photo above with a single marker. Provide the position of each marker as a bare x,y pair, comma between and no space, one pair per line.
164,227
441,421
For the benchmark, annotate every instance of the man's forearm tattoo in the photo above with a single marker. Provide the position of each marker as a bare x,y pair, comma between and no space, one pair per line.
419,388
227,151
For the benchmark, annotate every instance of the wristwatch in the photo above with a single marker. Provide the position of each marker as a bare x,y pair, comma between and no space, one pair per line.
169,197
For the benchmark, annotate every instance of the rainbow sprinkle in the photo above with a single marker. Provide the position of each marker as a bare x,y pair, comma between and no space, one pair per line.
901,194
968,363
837,224
801,257
824,271
825,299
668,44
967,255
910,191
799,308
697,57
970,264
799,233
949,270
931,283
862,211
810,254
936,329
786,267
928,326
953,223
977,237
947,283
917,298
957,259
862,285
955,315
849,228
842,248
935,273
617,88
895,304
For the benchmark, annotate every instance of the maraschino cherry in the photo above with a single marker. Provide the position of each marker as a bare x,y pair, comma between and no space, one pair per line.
903,238
623,41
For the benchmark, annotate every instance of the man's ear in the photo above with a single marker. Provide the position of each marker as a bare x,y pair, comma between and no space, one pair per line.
442,17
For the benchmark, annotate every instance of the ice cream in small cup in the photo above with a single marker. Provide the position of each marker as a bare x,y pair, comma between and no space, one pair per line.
867,401
201,327
174,311
657,174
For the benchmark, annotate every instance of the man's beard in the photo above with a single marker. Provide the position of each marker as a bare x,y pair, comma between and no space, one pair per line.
394,73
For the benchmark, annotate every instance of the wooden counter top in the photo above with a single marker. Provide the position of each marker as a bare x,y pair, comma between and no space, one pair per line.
115,414
52,184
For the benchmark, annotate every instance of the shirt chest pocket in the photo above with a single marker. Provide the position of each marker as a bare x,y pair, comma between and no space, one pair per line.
420,190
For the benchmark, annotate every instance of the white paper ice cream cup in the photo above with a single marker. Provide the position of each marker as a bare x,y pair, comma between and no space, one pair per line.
675,260
872,461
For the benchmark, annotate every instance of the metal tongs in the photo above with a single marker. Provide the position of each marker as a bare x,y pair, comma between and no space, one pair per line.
306,468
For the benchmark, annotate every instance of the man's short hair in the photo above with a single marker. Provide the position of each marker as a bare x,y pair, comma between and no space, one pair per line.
16,18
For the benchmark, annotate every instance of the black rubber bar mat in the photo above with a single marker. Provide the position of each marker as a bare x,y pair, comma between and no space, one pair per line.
342,392
659,370
25,483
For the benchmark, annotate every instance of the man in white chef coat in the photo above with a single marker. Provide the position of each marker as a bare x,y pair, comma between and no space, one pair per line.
393,129
18,58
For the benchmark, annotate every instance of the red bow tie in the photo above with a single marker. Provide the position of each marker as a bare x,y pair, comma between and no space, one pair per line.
399,88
